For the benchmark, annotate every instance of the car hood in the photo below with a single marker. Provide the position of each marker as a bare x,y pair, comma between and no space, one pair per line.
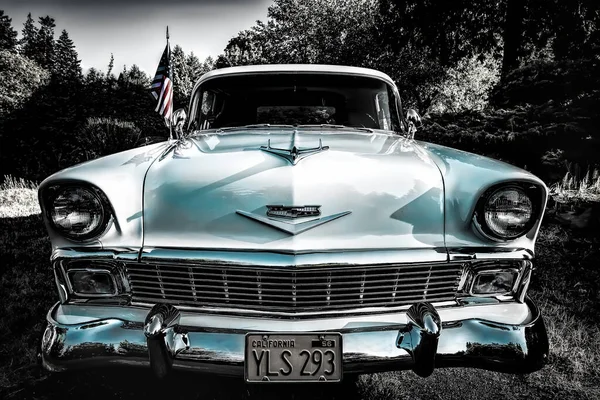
203,193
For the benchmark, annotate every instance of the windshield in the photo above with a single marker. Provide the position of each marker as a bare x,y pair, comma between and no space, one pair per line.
295,99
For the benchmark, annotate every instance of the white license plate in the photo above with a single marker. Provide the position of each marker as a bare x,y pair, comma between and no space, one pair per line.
293,357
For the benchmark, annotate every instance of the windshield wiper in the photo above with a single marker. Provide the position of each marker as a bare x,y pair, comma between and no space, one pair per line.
253,126
278,126
332,126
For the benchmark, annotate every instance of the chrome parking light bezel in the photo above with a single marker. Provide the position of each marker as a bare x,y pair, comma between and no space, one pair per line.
92,270
512,290
518,290
114,270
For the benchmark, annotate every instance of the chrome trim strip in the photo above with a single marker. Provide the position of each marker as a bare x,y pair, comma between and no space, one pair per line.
488,253
298,258
294,69
91,253
525,279
61,284
297,315
291,258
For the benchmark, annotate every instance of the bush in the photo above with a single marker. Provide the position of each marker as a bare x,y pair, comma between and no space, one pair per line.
526,136
103,136
19,80
541,81
467,85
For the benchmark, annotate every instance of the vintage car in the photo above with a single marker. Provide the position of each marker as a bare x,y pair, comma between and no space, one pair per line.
294,230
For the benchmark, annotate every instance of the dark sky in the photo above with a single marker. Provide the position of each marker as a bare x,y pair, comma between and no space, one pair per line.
134,31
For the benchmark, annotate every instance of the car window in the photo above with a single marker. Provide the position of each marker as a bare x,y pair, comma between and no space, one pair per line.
296,99
383,110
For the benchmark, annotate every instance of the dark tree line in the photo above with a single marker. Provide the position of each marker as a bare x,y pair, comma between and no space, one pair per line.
52,115
518,80
483,64
418,41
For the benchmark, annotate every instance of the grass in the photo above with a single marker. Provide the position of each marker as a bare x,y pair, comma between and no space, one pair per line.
573,190
18,198
566,286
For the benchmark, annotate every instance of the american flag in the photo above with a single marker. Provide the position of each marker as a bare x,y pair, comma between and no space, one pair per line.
162,86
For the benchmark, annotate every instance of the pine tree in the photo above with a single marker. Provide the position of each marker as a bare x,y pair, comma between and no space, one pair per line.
44,44
180,74
66,67
208,64
111,65
194,67
136,77
8,36
29,39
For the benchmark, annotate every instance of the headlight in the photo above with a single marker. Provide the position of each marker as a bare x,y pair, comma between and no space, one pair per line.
92,282
77,213
507,213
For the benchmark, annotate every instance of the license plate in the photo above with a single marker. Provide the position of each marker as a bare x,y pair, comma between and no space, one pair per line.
293,357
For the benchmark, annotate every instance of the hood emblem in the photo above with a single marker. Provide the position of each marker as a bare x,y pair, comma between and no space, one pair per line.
281,217
293,212
295,154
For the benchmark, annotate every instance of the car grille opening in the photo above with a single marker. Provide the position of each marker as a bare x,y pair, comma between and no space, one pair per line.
293,289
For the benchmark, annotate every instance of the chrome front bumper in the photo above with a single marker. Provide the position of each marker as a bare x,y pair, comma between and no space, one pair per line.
422,342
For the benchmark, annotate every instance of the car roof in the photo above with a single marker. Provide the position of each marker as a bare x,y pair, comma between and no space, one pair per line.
294,68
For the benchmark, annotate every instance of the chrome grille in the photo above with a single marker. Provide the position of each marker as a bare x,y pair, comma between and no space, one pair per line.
293,289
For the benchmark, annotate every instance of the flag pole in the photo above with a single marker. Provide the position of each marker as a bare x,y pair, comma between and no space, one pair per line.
172,104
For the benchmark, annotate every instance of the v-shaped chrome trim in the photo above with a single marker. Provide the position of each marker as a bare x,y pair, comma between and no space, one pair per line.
295,154
291,228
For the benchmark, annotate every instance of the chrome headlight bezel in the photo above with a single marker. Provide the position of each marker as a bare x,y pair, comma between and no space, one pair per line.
50,196
533,192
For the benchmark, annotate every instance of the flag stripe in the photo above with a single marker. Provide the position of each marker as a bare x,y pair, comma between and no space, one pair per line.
167,97
161,87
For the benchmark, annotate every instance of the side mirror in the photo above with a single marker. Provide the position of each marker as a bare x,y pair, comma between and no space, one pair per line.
179,118
414,121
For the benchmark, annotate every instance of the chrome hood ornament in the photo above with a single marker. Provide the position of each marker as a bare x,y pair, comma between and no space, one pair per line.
295,154
279,217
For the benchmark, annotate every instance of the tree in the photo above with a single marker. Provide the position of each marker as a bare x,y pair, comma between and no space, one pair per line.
195,68
207,65
19,80
136,77
223,62
66,67
29,39
576,26
111,65
513,31
8,36
180,75
308,31
44,45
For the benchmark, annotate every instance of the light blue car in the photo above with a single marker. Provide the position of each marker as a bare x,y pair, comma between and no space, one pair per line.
294,231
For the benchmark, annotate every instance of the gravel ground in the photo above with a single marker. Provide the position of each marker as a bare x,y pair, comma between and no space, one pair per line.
458,383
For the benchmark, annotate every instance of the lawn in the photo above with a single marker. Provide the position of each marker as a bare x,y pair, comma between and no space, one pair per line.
566,286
